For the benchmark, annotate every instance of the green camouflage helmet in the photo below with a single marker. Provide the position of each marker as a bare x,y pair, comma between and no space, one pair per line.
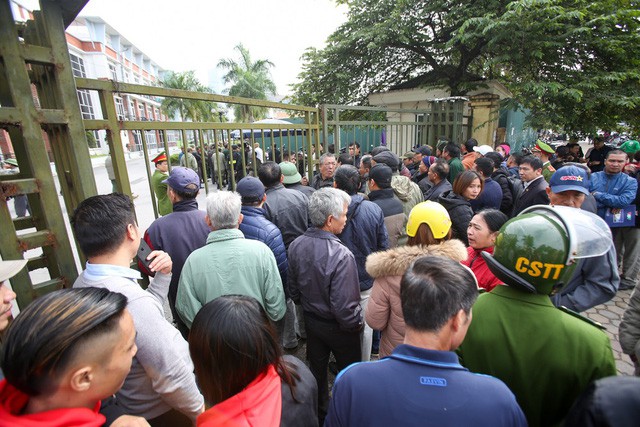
538,250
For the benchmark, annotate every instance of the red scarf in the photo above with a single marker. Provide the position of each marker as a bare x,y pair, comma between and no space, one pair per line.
259,404
13,401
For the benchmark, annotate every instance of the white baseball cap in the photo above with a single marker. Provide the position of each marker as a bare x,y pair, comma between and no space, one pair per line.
483,149
8,269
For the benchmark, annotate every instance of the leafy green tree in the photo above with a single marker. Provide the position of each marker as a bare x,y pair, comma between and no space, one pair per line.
249,79
572,63
187,109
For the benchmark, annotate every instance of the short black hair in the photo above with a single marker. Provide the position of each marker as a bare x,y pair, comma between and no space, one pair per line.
345,159
616,152
485,166
347,179
433,290
354,143
269,173
495,157
532,161
185,195
562,151
50,332
471,142
452,149
494,218
100,223
517,157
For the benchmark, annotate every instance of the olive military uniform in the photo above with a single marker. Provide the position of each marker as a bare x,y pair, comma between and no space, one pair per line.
546,356
164,204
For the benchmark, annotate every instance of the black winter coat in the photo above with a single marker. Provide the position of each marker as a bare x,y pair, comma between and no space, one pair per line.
460,212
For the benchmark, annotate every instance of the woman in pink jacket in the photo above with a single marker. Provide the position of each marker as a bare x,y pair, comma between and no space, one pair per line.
429,231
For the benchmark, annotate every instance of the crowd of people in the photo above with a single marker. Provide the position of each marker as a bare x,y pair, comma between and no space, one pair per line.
463,270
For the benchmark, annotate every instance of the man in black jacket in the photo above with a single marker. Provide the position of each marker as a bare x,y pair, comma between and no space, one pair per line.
323,278
501,176
535,186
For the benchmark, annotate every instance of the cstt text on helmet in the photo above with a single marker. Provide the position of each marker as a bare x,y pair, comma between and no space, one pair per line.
538,269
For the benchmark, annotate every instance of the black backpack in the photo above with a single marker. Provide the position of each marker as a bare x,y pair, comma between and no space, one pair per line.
515,185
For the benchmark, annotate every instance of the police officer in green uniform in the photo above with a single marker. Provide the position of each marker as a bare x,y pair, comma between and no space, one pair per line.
546,356
164,204
544,152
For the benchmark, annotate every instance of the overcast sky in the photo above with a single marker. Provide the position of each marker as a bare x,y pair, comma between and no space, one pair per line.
195,34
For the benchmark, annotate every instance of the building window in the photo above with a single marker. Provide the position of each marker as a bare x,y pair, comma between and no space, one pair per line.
152,142
113,72
127,77
119,108
132,110
137,140
150,112
77,66
84,98
141,112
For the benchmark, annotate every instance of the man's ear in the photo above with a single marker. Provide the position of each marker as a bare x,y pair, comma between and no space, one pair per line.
459,320
240,218
208,221
335,185
132,233
281,178
81,379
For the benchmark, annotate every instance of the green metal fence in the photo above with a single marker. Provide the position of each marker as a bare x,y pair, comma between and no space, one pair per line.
269,137
400,129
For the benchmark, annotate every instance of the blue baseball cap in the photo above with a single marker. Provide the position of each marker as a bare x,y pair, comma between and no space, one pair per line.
569,178
251,189
183,180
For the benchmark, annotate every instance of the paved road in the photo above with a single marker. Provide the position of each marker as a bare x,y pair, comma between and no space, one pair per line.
610,315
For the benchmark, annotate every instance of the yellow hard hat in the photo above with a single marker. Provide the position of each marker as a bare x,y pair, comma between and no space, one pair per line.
431,213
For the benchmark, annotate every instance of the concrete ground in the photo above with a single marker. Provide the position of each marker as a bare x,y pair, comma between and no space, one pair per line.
609,315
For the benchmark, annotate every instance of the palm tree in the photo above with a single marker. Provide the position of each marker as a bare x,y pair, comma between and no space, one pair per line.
249,79
188,109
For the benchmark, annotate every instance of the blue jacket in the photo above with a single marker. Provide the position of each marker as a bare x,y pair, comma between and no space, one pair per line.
256,226
490,197
419,387
612,191
364,234
594,282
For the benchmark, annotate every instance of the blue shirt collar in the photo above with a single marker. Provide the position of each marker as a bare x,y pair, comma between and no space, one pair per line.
102,271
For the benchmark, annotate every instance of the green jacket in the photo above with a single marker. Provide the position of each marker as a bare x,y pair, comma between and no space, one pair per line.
230,264
164,204
547,171
455,169
546,356
188,160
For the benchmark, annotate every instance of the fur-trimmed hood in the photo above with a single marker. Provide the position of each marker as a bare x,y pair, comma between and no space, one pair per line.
394,262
